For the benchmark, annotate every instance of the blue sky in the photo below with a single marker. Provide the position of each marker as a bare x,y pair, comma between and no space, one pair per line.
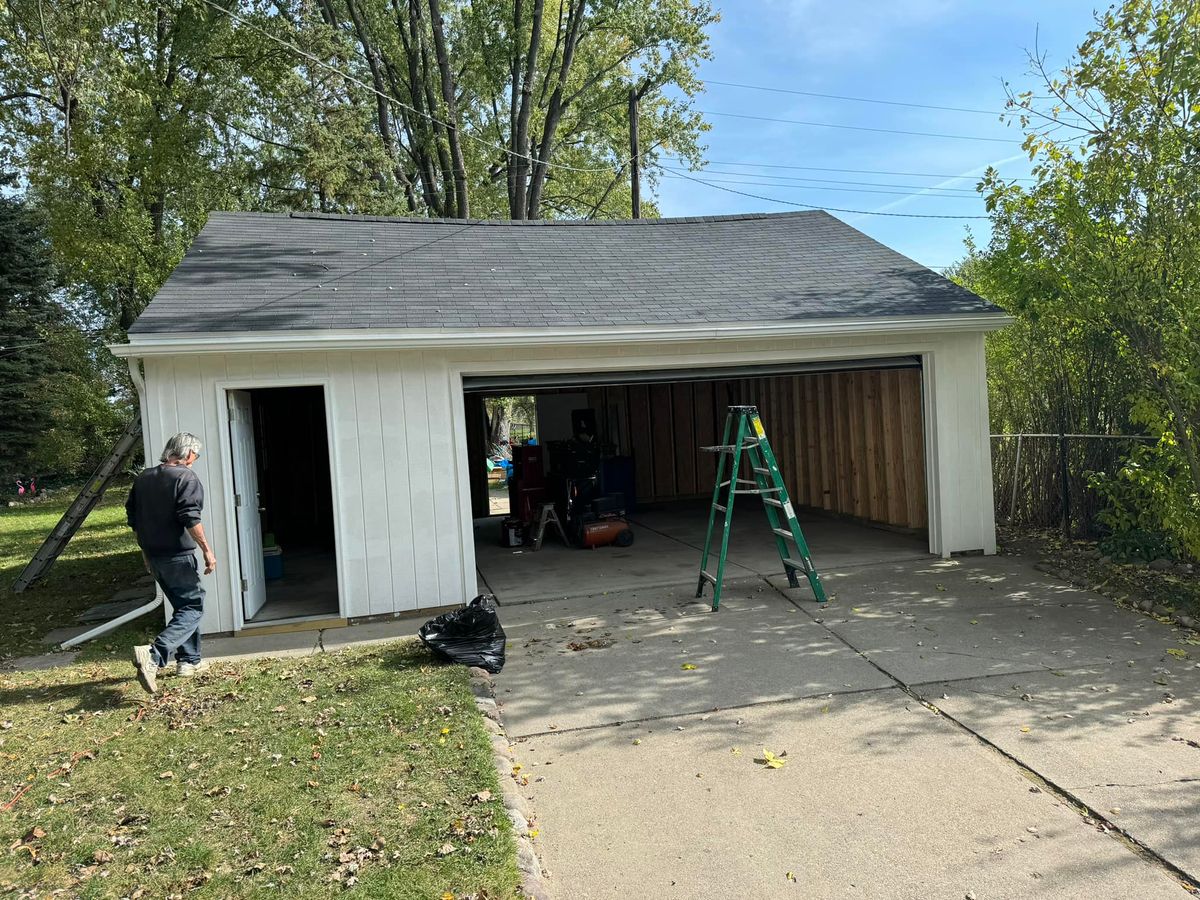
937,52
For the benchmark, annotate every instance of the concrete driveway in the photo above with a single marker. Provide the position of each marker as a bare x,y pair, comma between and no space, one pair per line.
966,728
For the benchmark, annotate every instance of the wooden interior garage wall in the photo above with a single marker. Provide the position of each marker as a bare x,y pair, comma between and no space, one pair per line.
847,442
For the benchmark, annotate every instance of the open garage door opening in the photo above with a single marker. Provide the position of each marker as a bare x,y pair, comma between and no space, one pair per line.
620,451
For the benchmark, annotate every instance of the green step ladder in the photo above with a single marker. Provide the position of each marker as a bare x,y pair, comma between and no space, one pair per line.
749,440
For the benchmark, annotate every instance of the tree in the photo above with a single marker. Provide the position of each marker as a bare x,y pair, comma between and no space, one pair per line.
1105,245
26,311
507,108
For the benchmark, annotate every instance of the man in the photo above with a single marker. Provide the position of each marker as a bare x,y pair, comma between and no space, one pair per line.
164,508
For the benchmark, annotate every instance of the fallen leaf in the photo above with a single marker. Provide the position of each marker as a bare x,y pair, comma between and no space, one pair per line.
1177,652
481,797
166,776
445,731
309,699
974,621
687,667
446,849
790,876
770,760
1024,729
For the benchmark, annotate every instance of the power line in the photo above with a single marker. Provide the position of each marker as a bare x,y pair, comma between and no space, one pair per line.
788,178
935,134
761,165
856,212
320,62
920,192
775,90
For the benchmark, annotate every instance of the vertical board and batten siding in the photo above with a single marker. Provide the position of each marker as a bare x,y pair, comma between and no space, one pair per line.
395,489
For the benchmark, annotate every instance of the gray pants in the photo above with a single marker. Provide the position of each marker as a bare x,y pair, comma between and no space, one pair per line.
179,578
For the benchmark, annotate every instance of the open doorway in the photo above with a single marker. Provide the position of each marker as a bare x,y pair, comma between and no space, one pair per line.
283,497
510,423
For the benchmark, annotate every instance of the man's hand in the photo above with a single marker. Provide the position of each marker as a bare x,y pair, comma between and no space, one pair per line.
210,558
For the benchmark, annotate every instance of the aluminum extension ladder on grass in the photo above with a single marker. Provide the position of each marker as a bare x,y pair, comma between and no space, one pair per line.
58,539
750,440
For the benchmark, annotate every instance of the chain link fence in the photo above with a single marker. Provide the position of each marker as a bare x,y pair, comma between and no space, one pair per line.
1042,479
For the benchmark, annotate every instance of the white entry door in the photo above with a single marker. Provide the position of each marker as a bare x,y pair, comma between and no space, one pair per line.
245,488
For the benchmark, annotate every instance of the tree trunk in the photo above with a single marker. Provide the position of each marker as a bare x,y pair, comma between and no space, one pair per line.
520,141
448,91
554,113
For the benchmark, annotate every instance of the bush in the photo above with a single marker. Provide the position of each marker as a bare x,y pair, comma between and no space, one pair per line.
1149,511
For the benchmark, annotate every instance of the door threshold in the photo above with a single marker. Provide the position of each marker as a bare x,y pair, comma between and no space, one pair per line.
299,623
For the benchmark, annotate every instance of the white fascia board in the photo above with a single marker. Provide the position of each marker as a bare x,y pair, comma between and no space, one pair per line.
390,339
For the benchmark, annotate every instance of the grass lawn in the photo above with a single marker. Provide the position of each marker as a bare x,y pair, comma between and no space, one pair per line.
101,559
366,770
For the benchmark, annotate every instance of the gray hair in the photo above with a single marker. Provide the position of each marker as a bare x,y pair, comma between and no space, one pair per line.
179,446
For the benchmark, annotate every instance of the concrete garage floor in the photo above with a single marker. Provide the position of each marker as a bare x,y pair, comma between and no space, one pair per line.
948,726
667,550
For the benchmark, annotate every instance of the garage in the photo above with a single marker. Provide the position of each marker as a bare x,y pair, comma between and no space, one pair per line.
377,344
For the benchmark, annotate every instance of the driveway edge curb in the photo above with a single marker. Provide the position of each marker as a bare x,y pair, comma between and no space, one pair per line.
533,876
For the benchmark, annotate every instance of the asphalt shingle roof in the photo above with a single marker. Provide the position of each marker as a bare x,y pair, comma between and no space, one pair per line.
272,272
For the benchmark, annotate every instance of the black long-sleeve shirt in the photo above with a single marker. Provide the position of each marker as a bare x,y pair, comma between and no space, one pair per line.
163,503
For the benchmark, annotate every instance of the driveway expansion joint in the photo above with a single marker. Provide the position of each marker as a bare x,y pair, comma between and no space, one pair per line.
1188,881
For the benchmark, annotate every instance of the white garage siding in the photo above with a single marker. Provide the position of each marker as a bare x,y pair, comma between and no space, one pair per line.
398,446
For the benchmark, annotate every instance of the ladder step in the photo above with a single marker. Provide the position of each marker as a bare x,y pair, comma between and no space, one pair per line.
718,506
786,535
758,491
762,471
721,448
771,501
711,579
795,564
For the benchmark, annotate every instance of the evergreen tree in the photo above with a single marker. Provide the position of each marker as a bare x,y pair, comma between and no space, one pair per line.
26,311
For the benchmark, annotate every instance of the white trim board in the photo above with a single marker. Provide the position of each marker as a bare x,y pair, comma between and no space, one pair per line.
494,338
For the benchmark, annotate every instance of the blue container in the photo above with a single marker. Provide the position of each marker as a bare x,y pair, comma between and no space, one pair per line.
272,563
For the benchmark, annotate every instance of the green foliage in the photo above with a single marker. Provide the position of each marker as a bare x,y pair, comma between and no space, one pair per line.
26,313
1100,256
1149,512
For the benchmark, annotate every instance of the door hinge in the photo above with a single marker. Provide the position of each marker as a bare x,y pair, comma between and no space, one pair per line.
245,585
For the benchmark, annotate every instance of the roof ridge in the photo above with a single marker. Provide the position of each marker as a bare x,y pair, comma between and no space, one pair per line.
420,220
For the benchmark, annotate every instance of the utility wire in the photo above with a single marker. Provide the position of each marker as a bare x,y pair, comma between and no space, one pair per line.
936,134
920,192
617,168
791,180
856,212
761,165
775,90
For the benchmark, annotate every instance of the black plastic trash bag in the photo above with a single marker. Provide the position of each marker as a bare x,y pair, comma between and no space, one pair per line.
471,635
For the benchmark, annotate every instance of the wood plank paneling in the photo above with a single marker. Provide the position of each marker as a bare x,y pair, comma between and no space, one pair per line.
847,442
684,436
641,448
662,436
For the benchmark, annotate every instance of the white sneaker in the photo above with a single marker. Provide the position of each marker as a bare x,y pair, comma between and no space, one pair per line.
147,668
191,670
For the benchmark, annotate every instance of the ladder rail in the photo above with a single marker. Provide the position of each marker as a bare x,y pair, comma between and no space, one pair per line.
85,501
712,510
